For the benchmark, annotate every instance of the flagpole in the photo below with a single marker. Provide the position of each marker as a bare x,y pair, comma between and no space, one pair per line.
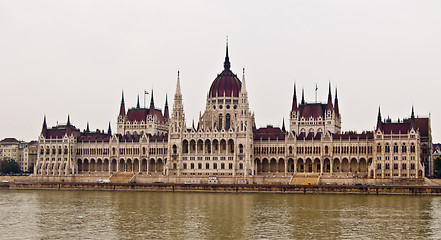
144,99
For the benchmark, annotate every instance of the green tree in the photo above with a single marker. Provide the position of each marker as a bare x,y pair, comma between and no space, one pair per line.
437,166
9,166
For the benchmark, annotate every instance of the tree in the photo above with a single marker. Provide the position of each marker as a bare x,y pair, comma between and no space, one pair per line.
9,166
437,167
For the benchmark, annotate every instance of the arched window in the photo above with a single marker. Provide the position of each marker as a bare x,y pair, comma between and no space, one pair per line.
220,121
404,148
175,149
227,121
387,148
240,148
378,148
412,148
395,148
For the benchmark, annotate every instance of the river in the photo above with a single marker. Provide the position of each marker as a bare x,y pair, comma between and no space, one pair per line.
163,215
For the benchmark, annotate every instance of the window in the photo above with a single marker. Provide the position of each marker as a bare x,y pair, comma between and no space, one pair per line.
387,165
185,166
395,165
412,148
387,148
395,148
404,148
412,166
378,166
207,166
192,165
227,121
230,166
222,165
379,148
403,166
199,165
220,121
214,165
240,165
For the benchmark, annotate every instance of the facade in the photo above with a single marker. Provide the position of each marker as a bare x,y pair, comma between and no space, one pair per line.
225,142
24,153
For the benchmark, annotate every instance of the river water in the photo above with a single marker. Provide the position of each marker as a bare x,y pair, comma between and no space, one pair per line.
162,215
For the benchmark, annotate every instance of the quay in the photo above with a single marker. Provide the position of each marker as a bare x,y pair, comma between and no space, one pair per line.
228,188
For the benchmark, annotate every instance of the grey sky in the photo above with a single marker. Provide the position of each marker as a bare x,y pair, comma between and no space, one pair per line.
75,57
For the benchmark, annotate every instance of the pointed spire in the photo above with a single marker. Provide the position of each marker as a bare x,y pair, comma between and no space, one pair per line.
152,102
412,119
329,106
379,123
244,86
137,103
109,130
44,122
87,128
283,125
336,110
303,96
193,125
178,85
122,109
166,114
227,59
44,128
68,120
294,100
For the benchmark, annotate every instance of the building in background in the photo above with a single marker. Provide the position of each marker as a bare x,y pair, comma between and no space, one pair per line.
226,142
24,153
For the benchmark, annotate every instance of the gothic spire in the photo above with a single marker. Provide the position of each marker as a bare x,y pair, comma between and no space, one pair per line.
294,100
152,102
336,110
44,122
227,59
44,129
244,86
87,128
166,114
283,125
68,120
303,96
379,118
178,85
412,116
137,103
329,106
109,130
122,109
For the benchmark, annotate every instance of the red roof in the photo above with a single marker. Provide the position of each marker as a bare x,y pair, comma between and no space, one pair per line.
140,114
225,85
396,128
314,110
60,130
269,132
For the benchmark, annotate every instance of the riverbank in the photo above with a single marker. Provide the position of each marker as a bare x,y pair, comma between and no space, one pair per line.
232,188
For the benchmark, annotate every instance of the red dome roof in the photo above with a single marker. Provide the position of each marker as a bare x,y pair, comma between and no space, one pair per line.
225,85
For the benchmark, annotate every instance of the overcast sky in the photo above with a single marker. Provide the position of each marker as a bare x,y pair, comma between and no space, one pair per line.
75,57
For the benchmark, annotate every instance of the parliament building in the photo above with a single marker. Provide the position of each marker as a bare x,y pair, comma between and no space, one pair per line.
225,142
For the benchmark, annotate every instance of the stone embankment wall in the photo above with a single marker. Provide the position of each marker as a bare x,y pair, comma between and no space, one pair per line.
235,188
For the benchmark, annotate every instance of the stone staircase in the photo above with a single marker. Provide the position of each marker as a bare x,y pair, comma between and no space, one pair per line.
303,180
122,177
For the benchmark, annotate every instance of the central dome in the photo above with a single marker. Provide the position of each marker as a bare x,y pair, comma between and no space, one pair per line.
226,84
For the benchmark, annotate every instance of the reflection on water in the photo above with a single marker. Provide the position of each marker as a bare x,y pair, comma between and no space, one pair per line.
144,215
